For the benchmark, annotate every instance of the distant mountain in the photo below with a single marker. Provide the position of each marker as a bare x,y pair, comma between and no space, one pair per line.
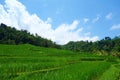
9,35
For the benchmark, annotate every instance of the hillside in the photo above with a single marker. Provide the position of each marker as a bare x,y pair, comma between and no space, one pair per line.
106,46
59,40
30,57
9,35
28,62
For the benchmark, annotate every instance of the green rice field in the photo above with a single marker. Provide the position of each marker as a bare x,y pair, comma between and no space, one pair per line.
28,62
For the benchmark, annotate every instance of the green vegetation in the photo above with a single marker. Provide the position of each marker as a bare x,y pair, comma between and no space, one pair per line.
111,74
10,35
24,56
79,71
105,46
28,62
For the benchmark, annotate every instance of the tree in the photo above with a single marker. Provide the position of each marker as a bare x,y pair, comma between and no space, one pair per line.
10,35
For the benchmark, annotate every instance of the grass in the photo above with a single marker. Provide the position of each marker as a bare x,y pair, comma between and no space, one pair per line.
78,71
27,62
110,74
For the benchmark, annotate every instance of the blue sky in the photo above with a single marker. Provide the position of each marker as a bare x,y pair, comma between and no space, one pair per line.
65,20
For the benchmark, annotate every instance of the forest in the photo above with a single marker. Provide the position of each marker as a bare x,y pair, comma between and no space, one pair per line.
9,35
106,46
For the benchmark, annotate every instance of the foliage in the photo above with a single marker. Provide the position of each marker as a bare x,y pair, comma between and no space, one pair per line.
105,46
10,35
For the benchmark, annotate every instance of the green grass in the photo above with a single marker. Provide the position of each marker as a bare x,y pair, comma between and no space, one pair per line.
110,74
79,71
28,62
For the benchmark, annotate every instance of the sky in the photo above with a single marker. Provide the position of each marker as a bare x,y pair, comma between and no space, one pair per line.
63,20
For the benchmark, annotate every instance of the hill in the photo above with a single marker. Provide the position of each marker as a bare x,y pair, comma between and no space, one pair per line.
106,46
28,62
9,35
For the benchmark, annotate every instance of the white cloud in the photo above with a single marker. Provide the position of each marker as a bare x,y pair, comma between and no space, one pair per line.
86,20
14,13
96,19
115,27
109,16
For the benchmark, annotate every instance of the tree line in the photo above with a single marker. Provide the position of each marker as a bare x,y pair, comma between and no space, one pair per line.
106,46
9,35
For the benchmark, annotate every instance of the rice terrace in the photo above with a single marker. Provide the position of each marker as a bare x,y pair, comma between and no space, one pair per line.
59,39
28,62
24,56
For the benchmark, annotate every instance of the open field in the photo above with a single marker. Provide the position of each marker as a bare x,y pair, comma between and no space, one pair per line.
27,62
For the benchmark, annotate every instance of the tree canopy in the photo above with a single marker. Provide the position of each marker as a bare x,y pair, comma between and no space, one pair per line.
106,46
9,35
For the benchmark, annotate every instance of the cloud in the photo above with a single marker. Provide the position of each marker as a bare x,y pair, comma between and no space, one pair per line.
96,19
109,16
14,13
114,27
86,20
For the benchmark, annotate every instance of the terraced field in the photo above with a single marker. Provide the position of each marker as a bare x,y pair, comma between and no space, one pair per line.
27,62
